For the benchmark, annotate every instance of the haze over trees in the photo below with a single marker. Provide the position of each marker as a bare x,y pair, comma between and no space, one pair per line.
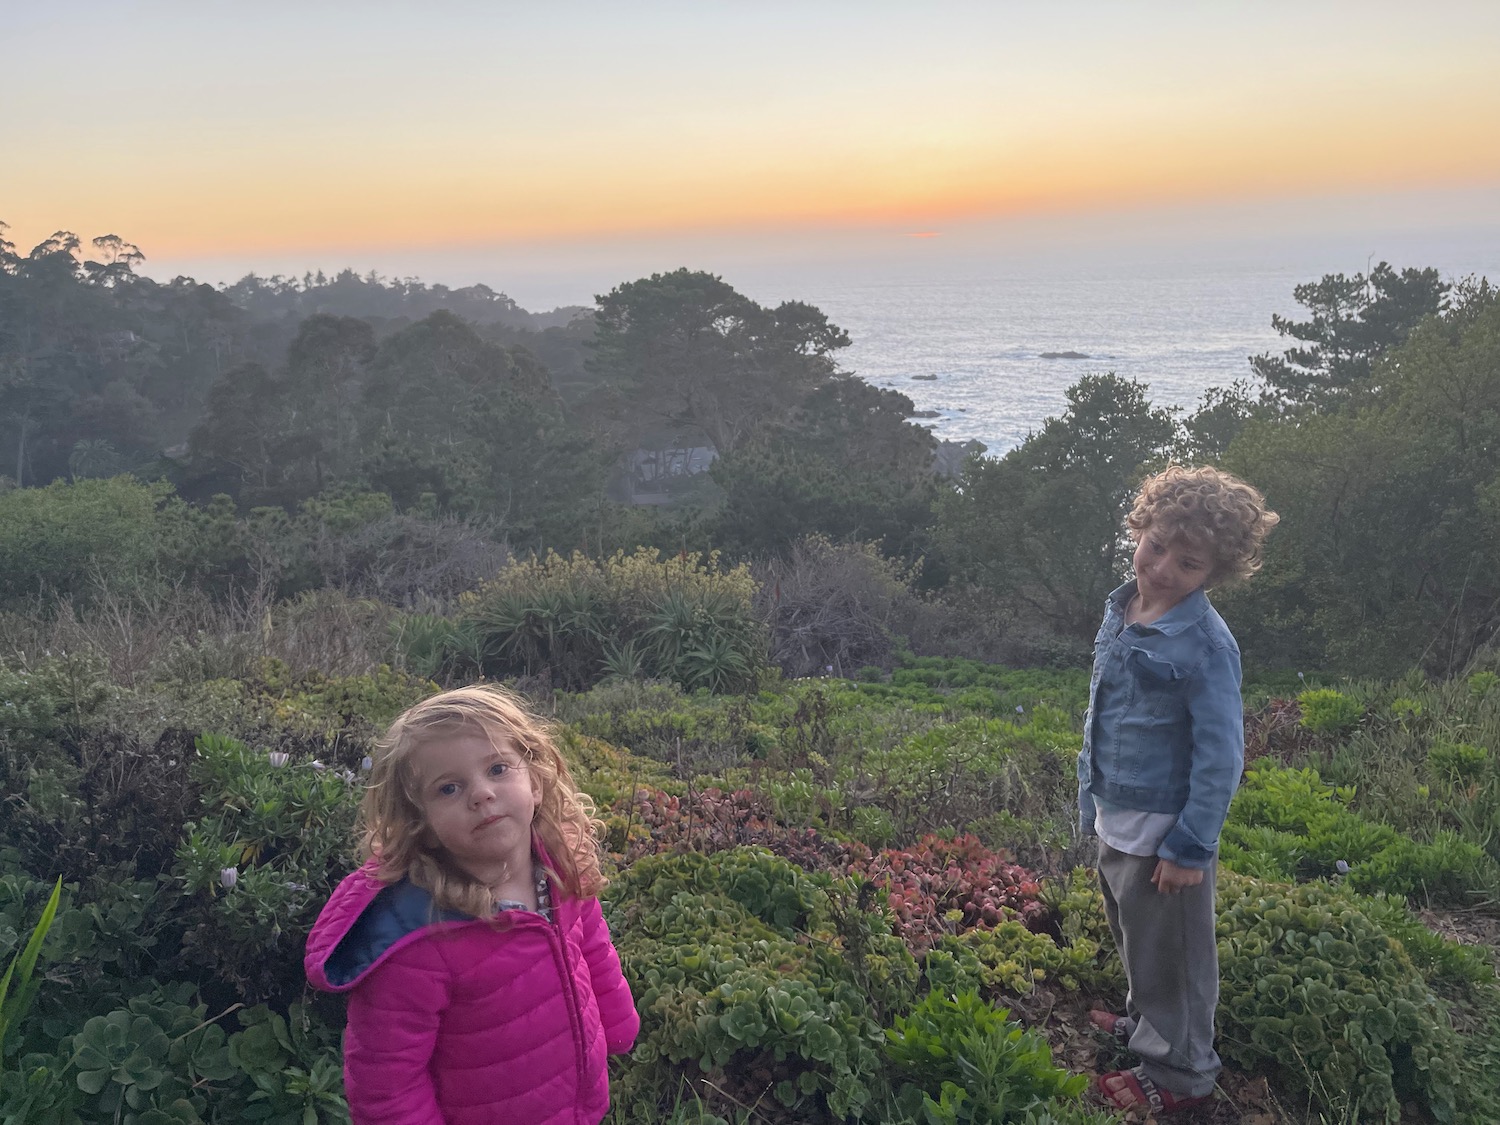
280,408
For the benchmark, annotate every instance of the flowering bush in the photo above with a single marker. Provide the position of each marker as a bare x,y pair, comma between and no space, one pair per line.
260,861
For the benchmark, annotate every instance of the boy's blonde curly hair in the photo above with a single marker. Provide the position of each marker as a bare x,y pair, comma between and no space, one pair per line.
1213,511
393,829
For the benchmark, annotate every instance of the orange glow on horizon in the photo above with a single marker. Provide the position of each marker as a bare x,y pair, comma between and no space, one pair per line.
285,194
304,132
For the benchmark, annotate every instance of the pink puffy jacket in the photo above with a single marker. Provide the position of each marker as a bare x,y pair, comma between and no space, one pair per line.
456,1022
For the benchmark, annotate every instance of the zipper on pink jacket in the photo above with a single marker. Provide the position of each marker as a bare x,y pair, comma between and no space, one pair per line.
575,1011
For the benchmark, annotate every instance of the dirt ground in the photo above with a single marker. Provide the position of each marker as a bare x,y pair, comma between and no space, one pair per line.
1467,927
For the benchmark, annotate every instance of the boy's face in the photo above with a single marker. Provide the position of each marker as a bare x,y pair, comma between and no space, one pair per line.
1168,569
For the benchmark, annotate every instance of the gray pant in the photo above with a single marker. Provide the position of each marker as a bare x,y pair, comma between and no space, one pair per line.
1171,969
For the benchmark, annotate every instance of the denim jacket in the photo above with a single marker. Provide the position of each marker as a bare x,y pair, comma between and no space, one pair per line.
1168,733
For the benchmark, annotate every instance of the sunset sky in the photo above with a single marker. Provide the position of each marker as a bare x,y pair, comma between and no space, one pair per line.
224,136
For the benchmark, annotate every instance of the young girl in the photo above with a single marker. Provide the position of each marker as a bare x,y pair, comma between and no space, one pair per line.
1163,747
482,983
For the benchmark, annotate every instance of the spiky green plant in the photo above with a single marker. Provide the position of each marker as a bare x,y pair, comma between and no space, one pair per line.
22,971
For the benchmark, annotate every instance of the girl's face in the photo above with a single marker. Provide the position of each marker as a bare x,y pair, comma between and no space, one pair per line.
479,799
1168,571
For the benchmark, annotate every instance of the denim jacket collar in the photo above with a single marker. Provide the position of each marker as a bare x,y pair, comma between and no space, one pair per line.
1182,615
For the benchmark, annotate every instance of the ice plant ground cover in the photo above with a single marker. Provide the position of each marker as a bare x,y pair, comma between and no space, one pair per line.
837,900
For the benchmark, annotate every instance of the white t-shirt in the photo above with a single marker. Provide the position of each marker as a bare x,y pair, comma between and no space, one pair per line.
1130,830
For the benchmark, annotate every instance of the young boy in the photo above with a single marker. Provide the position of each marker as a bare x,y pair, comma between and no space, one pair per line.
1163,747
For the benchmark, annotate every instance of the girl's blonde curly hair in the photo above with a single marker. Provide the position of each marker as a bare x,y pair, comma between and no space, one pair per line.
393,829
1213,511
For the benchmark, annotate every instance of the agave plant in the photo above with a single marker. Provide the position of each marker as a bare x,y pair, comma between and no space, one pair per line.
718,663
519,629
623,661
425,640
466,646
676,624
525,632
578,644
707,639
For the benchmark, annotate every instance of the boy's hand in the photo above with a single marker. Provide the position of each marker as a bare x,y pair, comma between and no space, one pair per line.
1170,878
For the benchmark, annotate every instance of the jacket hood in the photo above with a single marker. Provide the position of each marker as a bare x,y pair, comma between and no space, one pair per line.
361,923
366,920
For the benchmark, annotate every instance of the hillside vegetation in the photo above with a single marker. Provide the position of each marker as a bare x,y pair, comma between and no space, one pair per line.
827,703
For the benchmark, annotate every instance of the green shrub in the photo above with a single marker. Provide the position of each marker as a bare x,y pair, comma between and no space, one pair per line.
260,860
325,706
55,539
1482,684
1329,712
1457,762
85,796
294,1066
156,1061
160,1059
717,951
684,619
1287,824
965,1063
1437,957
952,774
38,1092
657,719
1315,989
1010,959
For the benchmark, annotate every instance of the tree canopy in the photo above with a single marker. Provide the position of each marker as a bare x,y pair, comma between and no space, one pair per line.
1042,526
1352,320
1376,435
686,351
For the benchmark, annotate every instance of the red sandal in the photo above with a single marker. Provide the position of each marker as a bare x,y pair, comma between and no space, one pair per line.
1111,1024
1144,1092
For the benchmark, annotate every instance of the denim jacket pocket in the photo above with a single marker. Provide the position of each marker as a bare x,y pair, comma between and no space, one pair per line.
1155,673
1159,681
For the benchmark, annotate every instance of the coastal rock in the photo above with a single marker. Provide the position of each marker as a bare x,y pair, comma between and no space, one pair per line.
1064,355
925,378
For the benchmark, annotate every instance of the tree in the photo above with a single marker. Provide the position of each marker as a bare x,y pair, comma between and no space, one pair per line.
41,369
847,464
1354,320
242,429
1043,526
76,362
1387,553
116,260
428,379
325,378
539,477
1220,418
687,351
482,428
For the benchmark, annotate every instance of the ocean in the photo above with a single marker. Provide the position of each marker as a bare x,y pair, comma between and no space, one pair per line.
969,342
